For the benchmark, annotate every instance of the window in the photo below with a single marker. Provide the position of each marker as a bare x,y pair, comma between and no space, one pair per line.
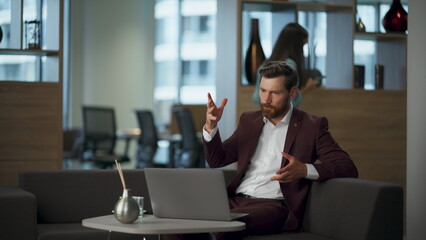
204,67
315,50
186,68
204,23
185,54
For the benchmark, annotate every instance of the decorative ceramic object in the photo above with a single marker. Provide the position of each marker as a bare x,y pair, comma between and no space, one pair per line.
126,209
32,34
359,72
359,25
379,76
1,34
255,55
396,18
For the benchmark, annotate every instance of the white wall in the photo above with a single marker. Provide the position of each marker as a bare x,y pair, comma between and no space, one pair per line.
416,115
112,59
226,65
112,49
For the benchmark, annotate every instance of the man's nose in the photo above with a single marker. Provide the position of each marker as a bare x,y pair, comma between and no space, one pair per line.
268,98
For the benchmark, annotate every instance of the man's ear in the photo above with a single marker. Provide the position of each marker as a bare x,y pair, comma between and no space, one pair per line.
293,92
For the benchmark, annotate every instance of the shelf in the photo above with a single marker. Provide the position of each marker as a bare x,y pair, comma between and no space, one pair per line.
32,52
28,84
379,36
322,7
278,6
362,2
259,6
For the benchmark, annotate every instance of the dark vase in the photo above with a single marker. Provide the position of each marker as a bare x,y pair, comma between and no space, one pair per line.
1,34
396,18
254,55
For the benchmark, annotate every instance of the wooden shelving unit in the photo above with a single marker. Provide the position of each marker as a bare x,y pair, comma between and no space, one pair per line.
390,47
31,110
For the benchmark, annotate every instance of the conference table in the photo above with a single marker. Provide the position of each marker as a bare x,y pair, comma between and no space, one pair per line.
129,134
151,225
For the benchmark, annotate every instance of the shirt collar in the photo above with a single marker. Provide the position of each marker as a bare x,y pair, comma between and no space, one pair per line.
286,118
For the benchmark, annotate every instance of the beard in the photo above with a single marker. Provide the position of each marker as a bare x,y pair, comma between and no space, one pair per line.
270,111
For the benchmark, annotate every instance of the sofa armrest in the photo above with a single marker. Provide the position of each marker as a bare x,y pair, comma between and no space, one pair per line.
18,210
355,209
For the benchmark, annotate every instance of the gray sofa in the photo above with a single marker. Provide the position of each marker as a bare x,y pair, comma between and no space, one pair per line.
49,205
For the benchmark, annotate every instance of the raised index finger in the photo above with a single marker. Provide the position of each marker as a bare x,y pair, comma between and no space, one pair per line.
210,101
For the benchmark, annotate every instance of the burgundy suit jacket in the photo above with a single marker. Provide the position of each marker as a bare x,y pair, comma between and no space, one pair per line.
308,140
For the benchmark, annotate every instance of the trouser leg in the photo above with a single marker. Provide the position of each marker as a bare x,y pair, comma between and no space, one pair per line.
265,217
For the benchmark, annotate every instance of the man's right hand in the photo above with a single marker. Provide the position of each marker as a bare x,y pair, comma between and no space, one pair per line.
214,113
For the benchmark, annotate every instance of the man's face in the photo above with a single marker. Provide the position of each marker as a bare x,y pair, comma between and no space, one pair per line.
275,98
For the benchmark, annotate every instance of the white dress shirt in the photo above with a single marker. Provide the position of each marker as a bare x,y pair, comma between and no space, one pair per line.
266,160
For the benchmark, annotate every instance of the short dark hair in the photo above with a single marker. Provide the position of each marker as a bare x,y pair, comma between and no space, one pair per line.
280,68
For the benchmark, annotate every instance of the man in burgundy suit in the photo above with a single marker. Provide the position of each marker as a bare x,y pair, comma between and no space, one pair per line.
279,151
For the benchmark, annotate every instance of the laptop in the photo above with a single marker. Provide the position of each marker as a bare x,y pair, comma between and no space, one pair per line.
189,194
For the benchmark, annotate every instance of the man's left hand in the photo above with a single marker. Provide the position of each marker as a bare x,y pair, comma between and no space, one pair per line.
293,171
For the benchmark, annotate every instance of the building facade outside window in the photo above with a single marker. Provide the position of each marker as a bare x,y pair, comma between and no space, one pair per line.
185,54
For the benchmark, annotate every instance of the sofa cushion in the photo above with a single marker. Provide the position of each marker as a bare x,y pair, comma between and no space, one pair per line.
67,196
354,209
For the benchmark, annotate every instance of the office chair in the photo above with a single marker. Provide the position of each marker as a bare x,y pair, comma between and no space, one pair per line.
99,137
148,139
72,146
189,152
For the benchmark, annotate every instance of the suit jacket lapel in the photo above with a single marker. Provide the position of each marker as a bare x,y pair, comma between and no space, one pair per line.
256,130
293,129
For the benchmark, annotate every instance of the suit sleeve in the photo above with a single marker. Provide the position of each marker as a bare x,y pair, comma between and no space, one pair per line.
220,154
334,161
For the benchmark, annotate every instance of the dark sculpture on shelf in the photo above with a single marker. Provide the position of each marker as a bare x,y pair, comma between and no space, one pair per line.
1,34
254,55
396,18
359,25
